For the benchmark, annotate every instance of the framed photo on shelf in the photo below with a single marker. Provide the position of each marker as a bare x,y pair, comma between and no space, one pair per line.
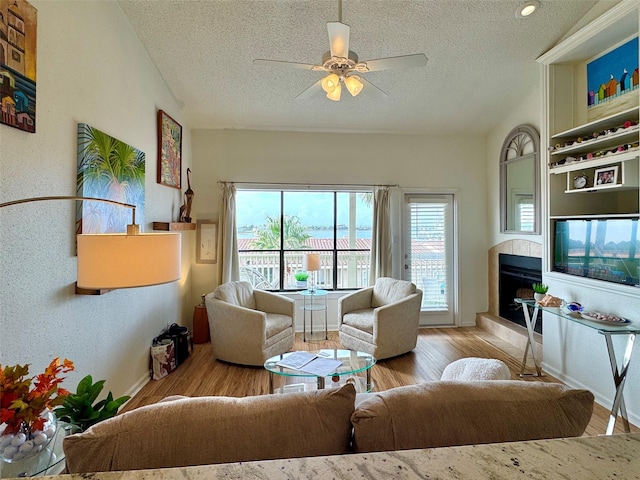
169,151
605,176
207,241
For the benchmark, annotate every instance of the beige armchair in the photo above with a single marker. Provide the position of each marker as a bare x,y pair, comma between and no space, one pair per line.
248,326
381,320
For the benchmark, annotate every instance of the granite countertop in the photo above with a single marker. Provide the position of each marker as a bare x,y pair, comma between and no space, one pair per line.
598,458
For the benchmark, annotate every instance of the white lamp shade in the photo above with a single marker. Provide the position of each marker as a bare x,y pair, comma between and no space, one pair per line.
335,93
330,82
354,85
108,261
311,262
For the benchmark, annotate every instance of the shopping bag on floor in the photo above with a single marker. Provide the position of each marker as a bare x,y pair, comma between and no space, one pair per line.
163,358
182,341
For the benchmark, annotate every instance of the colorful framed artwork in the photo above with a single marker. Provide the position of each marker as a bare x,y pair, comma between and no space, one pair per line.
612,77
605,176
98,154
207,238
18,32
169,151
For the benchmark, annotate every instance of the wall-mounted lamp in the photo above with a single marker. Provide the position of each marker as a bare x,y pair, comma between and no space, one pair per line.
121,260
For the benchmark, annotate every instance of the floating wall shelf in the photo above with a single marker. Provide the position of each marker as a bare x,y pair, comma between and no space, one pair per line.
173,226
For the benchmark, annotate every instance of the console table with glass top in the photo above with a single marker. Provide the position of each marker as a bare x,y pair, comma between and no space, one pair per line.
605,329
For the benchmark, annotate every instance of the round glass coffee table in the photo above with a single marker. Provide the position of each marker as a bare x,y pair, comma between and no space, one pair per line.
355,368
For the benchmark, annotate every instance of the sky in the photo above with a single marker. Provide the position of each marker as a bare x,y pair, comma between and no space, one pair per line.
313,208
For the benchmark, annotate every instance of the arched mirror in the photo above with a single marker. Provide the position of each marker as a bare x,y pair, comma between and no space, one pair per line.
520,181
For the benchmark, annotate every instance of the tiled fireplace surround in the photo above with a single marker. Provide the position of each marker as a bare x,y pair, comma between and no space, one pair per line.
511,336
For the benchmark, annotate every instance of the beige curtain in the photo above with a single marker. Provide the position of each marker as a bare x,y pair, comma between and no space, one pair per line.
380,236
228,265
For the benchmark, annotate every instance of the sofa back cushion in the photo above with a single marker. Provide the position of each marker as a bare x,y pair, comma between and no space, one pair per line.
236,293
438,414
388,290
208,430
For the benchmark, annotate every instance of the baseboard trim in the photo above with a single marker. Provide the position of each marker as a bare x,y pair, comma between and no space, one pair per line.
135,389
603,399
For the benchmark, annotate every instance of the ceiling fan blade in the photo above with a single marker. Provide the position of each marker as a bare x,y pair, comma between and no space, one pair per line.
391,63
338,39
311,91
371,90
280,63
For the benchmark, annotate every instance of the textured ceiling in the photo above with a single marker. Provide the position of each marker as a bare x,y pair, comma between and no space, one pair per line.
481,60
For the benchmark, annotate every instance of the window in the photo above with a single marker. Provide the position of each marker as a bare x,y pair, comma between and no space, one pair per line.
277,227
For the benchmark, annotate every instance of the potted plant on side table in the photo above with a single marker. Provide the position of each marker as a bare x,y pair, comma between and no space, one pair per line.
301,279
539,291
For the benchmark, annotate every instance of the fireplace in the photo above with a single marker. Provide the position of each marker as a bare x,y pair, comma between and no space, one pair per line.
516,274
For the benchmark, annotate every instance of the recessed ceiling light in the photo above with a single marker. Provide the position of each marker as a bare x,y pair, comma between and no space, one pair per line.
527,8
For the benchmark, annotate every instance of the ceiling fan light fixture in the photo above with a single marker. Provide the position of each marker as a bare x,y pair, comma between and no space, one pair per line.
527,8
353,84
330,83
335,93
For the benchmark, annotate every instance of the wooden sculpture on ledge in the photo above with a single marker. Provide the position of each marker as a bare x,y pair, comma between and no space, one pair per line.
185,209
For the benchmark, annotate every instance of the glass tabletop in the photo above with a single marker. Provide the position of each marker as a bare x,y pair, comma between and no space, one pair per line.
633,326
352,363
314,293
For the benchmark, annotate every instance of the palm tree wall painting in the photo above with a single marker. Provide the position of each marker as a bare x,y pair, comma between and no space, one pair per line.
111,169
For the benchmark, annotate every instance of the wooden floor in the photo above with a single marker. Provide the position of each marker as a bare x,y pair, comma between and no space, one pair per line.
202,375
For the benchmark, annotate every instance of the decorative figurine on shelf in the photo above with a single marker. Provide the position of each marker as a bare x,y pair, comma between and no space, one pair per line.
185,209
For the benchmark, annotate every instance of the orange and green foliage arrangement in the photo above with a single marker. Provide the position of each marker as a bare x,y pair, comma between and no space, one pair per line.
23,399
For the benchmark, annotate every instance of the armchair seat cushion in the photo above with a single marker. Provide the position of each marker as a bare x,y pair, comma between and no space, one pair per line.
360,319
277,323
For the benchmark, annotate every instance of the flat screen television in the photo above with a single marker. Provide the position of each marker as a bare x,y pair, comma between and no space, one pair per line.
604,249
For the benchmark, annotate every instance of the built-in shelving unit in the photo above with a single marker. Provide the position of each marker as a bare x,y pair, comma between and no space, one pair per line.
589,143
173,226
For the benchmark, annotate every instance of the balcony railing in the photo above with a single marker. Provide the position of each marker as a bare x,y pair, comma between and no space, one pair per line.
262,270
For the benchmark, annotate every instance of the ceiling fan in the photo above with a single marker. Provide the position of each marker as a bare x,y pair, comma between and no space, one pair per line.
343,66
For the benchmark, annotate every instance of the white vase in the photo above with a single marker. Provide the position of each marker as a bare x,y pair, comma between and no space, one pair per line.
538,296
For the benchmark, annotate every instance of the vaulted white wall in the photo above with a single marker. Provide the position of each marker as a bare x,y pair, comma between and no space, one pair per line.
91,69
429,163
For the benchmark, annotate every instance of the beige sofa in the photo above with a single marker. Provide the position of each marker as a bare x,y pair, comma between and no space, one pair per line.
184,431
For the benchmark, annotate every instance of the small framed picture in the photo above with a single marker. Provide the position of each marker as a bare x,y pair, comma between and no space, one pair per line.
169,151
207,238
605,176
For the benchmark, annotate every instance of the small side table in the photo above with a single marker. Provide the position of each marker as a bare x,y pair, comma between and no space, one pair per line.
201,324
314,301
